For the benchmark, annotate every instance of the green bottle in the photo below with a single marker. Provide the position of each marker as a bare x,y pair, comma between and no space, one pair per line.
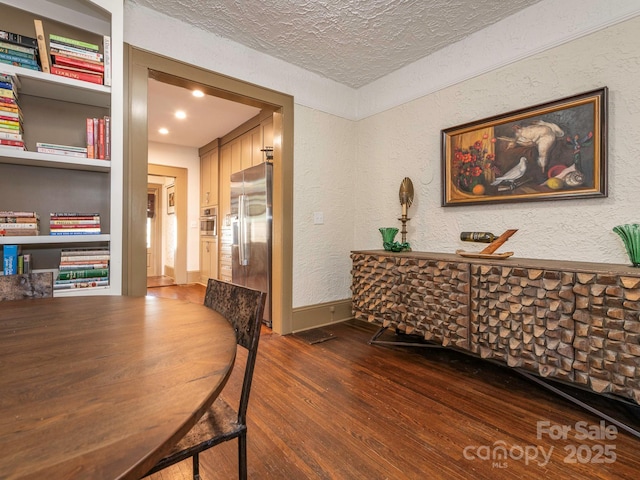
482,237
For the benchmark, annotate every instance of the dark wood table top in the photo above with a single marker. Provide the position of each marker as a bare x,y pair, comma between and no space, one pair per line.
101,387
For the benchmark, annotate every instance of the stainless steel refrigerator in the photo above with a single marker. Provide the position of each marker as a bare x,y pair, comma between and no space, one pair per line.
251,215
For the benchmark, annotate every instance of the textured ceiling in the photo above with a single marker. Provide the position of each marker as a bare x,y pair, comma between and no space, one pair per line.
353,42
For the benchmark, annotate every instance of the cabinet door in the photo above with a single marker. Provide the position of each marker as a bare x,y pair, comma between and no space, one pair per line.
224,205
205,180
236,155
213,177
205,260
246,150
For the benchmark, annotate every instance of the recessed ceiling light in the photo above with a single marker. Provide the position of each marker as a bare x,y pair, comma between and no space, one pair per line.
180,114
197,93
163,131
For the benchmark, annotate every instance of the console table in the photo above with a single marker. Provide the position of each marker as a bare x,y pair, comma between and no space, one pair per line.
573,322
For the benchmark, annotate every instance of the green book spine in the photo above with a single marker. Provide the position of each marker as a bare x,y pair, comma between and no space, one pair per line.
72,41
92,273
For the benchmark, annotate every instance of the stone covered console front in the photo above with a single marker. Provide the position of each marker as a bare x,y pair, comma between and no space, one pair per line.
574,322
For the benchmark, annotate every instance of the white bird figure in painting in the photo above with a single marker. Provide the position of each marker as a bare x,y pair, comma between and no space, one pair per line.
514,174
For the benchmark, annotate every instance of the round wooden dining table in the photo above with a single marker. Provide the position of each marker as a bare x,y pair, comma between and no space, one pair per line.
101,387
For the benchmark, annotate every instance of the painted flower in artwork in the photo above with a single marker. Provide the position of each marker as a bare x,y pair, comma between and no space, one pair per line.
472,164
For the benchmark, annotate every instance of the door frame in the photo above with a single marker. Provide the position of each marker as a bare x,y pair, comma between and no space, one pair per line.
140,65
156,189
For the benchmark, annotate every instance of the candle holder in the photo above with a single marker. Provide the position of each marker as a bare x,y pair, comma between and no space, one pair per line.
406,199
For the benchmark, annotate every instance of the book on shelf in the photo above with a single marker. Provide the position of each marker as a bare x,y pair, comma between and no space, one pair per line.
61,51
107,137
16,219
15,225
18,39
82,284
77,75
11,59
11,147
55,146
15,49
19,232
87,222
66,153
75,215
17,213
10,259
13,143
72,42
82,65
83,265
11,136
99,138
26,263
7,50
106,44
42,46
10,113
71,259
9,94
89,273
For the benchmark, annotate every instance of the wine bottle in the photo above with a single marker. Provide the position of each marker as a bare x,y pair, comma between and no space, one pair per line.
482,237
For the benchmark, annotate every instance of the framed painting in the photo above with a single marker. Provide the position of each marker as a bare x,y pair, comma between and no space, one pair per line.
171,199
552,151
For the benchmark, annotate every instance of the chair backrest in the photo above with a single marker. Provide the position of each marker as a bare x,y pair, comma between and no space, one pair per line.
243,308
29,285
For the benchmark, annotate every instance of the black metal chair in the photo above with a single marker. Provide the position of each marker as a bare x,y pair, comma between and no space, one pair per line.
28,285
243,308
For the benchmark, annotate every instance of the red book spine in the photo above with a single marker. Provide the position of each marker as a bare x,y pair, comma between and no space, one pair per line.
72,62
101,138
14,143
86,77
90,147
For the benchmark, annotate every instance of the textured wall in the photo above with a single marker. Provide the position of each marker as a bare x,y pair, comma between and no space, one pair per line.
324,181
405,141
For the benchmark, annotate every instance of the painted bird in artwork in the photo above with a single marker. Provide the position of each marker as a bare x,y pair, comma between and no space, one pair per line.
514,174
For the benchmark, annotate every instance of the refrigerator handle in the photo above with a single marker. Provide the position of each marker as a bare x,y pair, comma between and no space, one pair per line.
243,240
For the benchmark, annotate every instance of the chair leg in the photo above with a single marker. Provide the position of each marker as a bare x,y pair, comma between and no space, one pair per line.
242,456
196,467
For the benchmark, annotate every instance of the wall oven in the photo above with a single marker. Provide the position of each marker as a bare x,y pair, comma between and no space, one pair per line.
209,222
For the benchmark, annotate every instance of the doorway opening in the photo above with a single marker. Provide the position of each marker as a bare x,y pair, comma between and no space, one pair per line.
141,66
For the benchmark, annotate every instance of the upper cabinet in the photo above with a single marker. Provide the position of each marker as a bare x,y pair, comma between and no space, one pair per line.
209,175
55,111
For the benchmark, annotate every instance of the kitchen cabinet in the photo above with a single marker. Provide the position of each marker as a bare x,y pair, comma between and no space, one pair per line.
209,178
208,259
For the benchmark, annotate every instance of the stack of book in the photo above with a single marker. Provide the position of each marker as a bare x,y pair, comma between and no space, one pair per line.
18,50
99,138
76,59
10,114
82,268
63,223
67,150
15,224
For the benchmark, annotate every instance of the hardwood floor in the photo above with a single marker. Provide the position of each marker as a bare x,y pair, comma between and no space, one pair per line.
344,409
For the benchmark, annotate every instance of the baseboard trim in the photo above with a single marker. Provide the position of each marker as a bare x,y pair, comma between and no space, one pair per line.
313,316
193,276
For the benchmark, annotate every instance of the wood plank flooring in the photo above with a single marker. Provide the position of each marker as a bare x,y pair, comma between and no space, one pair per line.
344,409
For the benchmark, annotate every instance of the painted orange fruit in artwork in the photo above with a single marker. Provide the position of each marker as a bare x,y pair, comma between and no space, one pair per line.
478,190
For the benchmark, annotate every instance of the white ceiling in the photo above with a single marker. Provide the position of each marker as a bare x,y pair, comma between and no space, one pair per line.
353,42
207,117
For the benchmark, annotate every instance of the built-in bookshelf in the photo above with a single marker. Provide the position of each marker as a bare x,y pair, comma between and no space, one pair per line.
55,110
